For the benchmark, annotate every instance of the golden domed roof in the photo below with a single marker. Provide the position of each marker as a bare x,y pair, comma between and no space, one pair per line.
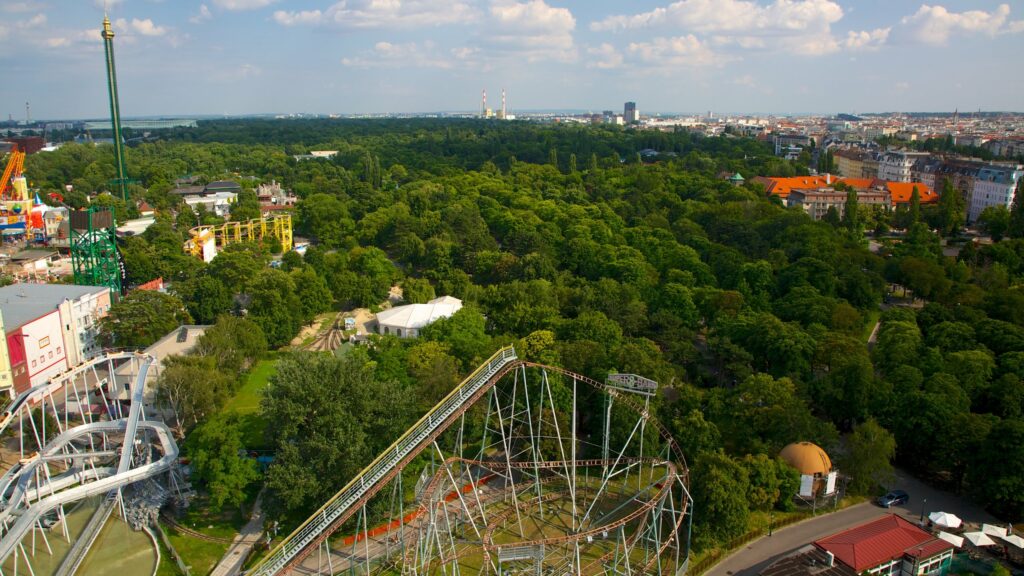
807,457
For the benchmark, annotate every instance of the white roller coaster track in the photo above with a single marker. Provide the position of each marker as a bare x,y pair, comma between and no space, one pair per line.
25,506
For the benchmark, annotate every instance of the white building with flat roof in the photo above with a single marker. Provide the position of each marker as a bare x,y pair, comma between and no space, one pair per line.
407,321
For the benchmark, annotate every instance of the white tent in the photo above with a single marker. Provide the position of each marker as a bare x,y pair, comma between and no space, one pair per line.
952,539
1014,540
979,539
992,530
945,519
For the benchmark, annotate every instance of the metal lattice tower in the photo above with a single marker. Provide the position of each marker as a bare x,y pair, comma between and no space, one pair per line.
94,257
121,180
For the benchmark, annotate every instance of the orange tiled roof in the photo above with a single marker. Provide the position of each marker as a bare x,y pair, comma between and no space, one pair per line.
901,192
781,187
859,183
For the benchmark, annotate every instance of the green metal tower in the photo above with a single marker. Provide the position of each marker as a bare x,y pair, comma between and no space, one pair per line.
121,181
94,257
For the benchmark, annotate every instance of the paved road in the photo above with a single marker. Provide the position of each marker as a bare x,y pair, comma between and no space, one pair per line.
754,557
234,558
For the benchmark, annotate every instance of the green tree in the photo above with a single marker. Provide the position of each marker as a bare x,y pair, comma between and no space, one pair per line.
915,206
328,417
951,208
851,213
234,343
220,463
464,333
998,476
994,221
192,388
417,290
1015,229
205,296
434,370
274,306
870,451
141,318
719,485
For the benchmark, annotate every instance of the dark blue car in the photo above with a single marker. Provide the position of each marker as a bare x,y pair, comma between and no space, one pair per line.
893,498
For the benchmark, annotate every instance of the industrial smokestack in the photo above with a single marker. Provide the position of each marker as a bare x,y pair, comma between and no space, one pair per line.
483,103
502,103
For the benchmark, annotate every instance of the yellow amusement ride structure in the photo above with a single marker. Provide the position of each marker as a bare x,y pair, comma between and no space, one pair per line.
205,241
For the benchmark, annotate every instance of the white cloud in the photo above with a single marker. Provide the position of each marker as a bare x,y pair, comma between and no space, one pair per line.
203,15
935,24
730,16
20,7
33,22
296,18
248,71
675,52
389,55
236,5
866,40
604,57
530,30
796,26
387,14
142,27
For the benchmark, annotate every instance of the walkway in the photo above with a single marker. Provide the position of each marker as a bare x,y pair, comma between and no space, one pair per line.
754,557
234,558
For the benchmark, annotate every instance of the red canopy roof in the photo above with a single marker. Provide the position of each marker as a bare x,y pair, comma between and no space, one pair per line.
881,540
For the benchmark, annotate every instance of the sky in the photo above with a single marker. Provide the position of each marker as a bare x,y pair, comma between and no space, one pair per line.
233,57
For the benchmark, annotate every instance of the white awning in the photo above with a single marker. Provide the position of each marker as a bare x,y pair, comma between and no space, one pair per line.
979,539
952,539
1014,540
993,530
945,519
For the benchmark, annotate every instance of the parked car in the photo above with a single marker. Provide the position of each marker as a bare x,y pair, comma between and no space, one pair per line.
893,498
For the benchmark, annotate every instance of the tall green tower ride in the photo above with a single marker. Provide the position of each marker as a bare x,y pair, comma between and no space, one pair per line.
115,110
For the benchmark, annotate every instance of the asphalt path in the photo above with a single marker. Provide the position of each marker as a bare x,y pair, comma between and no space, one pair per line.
755,556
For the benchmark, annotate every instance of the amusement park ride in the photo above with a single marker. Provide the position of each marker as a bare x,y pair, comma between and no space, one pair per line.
515,489
15,204
497,478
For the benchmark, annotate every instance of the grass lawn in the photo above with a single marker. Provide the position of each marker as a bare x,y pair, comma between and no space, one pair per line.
246,403
870,324
201,556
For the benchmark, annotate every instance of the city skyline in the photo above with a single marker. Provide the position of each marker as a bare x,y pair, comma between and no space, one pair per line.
240,57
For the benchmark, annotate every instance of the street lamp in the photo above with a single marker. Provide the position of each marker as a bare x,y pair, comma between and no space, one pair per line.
923,502
771,521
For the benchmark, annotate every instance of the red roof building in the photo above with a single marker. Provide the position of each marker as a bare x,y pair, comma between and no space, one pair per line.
899,191
889,546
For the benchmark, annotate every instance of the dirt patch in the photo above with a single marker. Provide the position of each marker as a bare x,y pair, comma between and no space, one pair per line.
307,332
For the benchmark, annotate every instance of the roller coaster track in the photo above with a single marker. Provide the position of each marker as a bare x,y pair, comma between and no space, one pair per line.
344,504
22,507
372,478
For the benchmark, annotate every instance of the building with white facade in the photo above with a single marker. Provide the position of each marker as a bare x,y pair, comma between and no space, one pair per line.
407,321
896,166
994,185
218,203
48,329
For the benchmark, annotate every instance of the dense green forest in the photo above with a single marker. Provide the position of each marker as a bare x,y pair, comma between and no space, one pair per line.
561,240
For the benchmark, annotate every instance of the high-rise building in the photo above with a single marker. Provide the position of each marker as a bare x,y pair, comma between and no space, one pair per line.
630,114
